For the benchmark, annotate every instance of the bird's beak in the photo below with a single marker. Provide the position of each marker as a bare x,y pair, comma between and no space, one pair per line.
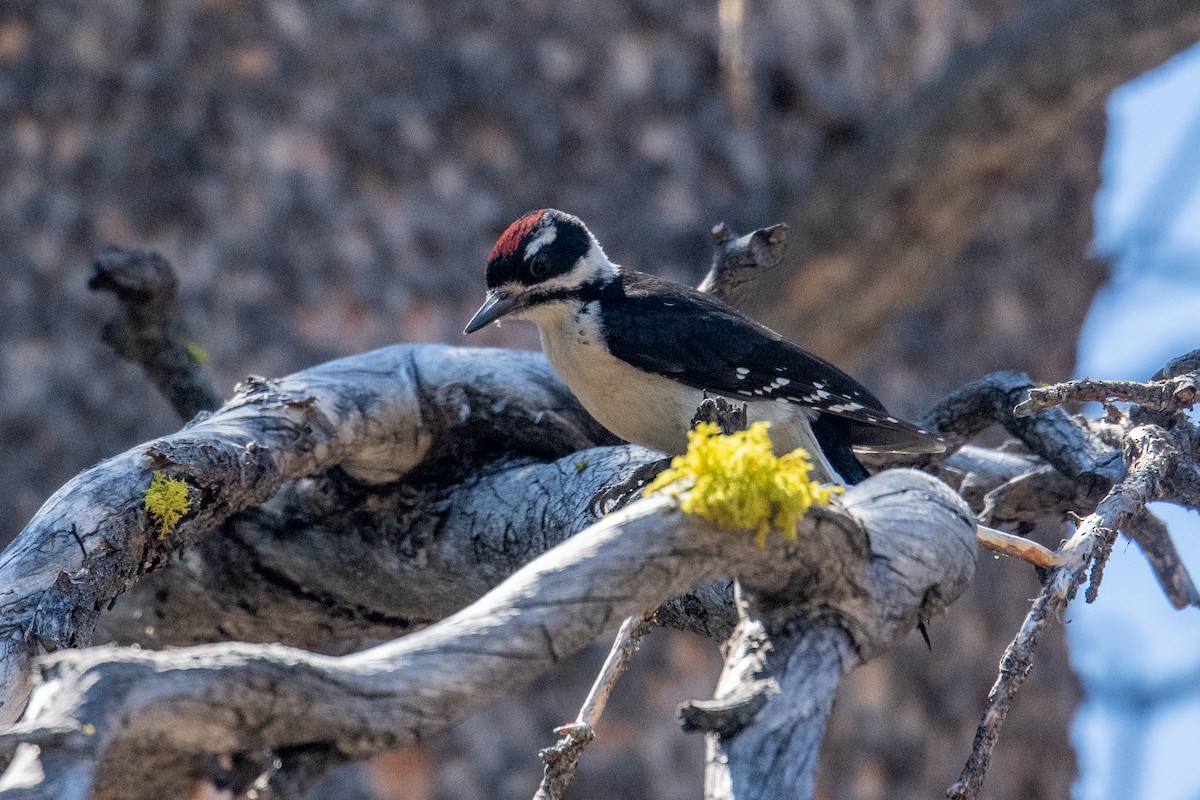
498,304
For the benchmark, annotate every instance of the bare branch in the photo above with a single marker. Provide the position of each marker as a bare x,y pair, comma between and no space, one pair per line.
150,332
375,416
1018,547
1038,495
251,697
1154,540
1070,447
560,760
331,565
1153,456
1175,394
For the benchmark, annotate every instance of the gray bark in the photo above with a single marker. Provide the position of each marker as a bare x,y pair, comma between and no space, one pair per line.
237,697
377,417
796,646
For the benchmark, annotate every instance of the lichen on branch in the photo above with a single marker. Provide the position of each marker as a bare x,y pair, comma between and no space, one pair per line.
166,500
737,481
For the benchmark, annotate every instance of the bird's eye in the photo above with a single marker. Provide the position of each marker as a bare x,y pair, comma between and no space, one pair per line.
539,266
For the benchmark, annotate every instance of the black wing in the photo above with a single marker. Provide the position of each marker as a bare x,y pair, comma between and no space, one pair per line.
706,344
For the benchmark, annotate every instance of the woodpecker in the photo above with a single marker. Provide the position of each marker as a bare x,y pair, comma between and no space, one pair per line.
639,353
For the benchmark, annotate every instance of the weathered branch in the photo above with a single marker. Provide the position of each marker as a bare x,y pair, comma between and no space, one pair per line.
914,192
1018,547
149,332
1038,495
1174,394
797,642
106,704
559,761
1052,434
1152,458
376,416
739,261
330,564
1154,540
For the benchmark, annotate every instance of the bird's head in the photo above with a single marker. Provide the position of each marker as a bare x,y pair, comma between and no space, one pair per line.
545,257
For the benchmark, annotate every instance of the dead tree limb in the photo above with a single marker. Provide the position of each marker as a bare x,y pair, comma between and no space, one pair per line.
1174,394
105,706
796,639
376,417
1154,457
149,332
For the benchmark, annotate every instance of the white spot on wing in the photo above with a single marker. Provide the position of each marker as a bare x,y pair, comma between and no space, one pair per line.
782,381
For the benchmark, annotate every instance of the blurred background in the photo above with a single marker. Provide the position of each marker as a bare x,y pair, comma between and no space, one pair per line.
327,176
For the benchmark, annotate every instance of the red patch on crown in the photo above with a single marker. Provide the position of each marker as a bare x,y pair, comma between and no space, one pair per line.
511,239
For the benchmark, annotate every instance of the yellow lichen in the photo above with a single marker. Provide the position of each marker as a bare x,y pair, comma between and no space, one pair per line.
198,353
167,501
737,481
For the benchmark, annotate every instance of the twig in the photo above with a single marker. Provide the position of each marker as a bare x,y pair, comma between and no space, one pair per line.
1154,455
150,332
560,760
1041,494
1052,434
739,261
1175,394
1152,537
1018,547
1105,539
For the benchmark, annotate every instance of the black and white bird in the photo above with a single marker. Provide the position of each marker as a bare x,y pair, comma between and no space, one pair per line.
640,352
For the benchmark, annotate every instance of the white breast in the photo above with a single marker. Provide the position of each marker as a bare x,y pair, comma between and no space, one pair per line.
638,406
642,407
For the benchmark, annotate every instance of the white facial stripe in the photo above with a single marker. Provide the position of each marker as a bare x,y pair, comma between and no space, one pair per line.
592,266
541,241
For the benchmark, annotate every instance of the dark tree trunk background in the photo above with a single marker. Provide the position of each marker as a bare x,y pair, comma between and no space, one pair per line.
328,176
